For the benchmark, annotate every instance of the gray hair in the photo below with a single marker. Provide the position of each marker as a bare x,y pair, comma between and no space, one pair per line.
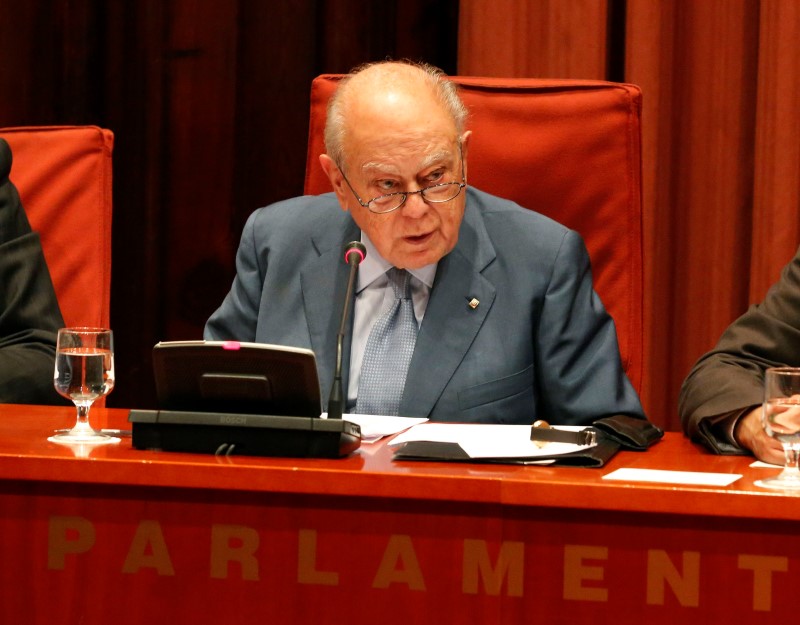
443,87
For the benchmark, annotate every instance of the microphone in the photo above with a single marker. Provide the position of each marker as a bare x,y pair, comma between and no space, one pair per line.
354,254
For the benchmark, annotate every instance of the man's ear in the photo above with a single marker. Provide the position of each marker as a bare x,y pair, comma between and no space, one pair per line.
465,148
465,142
335,176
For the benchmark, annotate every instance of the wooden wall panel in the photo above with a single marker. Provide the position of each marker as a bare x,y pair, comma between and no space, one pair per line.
199,139
776,193
133,93
697,66
533,38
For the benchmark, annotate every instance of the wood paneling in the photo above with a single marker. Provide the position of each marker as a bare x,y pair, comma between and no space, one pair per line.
776,193
697,66
533,39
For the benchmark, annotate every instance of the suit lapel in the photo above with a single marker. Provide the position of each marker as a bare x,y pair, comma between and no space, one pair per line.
450,324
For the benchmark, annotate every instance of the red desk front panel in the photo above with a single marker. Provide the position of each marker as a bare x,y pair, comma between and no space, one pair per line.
126,536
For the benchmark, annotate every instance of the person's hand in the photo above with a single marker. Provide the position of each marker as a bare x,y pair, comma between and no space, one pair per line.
750,434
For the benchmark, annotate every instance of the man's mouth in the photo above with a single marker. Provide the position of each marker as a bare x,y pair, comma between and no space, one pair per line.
418,239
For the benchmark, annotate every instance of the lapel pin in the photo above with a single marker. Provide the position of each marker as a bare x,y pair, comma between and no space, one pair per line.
473,303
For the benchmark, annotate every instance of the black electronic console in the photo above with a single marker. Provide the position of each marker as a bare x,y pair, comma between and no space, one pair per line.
243,434
231,398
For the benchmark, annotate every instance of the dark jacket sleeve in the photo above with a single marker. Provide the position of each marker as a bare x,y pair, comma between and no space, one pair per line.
729,379
29,313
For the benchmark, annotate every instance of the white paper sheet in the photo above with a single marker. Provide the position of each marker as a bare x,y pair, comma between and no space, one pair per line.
375,427
673,477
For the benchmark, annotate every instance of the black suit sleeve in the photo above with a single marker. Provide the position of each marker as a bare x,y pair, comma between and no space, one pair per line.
729,379
29,313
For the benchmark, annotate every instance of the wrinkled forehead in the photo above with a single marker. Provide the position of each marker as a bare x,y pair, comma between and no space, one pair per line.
420,162
406,155
399,126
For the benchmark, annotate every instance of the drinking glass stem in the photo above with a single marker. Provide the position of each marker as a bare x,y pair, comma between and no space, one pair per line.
790,469
82,424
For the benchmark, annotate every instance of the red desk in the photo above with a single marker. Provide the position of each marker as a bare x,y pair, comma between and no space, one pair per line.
127,536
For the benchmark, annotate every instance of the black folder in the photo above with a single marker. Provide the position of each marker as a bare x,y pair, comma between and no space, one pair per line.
612,434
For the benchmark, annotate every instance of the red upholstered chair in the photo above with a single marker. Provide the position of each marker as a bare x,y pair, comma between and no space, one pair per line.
63,174
567,148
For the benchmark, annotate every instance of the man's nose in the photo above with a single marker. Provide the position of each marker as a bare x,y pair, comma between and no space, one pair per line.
415,205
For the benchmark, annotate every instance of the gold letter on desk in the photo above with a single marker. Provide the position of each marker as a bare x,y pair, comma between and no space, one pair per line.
307,572
762,567
575,572
510,565
661,571
234,543
148,537
58,543
399,548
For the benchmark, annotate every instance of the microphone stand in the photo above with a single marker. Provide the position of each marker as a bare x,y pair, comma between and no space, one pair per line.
353,255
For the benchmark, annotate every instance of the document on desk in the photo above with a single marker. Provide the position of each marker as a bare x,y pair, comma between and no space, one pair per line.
693,478
376,427
480,441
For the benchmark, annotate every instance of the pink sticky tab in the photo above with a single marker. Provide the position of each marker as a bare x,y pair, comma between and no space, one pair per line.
234,345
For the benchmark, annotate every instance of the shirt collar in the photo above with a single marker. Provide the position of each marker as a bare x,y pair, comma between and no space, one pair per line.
374,266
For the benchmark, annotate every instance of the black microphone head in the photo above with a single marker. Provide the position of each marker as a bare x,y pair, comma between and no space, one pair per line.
354,252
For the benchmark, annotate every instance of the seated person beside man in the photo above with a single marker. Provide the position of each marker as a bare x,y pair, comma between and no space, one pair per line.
29,313
720,401
505,324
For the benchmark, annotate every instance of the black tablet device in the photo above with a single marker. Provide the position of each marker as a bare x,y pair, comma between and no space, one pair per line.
229,376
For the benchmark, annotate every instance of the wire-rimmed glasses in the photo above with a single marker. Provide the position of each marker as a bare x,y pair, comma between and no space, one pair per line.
434,194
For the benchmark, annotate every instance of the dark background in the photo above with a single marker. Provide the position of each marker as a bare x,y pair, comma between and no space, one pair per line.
208,101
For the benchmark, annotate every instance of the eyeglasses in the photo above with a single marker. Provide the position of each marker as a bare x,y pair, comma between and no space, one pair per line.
434,194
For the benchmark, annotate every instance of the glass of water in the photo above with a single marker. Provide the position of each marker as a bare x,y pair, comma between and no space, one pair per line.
84,372
780,418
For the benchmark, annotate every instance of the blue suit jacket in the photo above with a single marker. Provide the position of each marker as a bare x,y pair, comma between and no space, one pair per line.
539,345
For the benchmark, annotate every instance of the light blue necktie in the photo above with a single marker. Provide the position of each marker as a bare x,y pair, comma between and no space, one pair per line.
388,352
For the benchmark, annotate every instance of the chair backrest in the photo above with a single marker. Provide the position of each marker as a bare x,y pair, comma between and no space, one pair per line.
63,175
569,149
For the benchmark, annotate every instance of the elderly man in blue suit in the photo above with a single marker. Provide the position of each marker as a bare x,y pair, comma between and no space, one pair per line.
506,325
